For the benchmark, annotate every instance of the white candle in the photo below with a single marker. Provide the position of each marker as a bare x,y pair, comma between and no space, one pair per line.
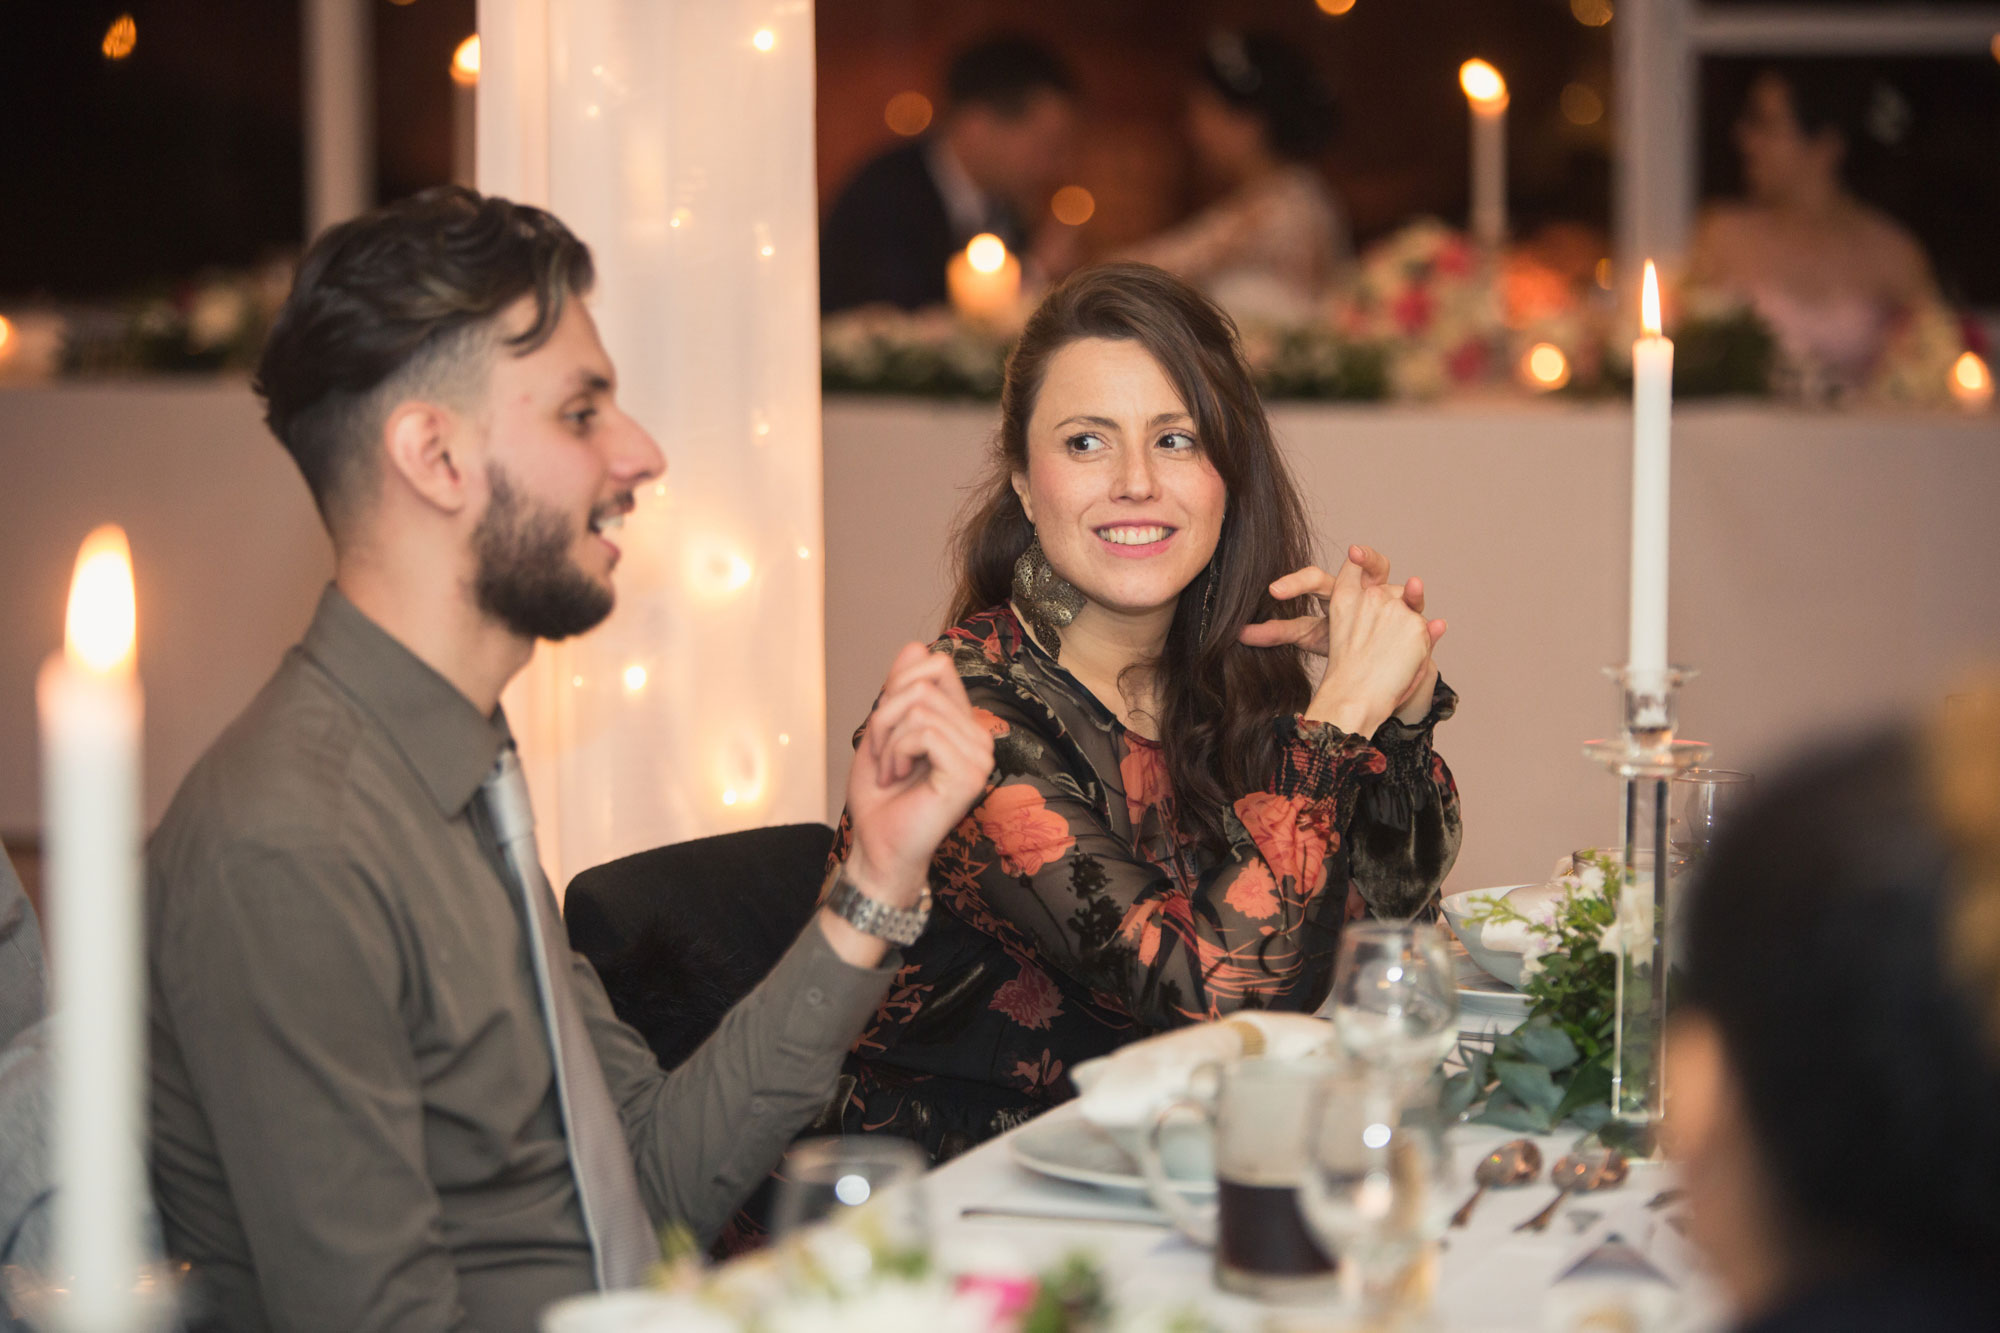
90,716
464,110
984,281
1652,436
1486,92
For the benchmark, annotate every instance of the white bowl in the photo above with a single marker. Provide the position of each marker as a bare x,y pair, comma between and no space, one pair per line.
1502,959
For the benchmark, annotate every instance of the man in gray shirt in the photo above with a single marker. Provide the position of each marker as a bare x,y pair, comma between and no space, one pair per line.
381,1094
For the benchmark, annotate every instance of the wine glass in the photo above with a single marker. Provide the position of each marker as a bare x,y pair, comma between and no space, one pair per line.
1704,799
851,1177
1395,996
1378,1191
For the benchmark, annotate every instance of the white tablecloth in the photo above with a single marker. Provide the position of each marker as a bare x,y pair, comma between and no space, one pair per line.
1491,1280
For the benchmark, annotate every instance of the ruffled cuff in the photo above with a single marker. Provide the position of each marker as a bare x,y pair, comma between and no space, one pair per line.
1317,760
1407,778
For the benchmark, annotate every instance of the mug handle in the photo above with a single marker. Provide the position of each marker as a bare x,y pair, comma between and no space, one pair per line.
1197,1222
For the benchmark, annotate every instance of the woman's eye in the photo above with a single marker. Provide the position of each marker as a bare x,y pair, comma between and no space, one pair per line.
1179,442
1085,444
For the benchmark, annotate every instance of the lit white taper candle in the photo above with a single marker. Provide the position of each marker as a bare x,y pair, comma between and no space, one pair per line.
1652,441
984,281
465,111
91,711
1486,92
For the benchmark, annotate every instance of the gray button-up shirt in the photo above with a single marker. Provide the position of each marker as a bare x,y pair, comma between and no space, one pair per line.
355,1122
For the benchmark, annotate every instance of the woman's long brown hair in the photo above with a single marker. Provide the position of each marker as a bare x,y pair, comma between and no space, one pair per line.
1218,697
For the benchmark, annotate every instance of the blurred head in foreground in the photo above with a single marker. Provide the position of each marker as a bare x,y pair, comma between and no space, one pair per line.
1834,1070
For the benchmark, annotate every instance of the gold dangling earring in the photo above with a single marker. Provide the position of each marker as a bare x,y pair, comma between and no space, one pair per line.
1049,600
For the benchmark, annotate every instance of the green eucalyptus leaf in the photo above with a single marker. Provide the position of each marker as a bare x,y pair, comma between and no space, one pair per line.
1531,1083
1589,1086
1460,1091
1547,1045
1513,1115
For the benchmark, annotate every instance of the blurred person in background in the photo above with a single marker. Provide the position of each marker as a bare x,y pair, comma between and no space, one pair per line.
1271,246
1000,151
1833,277
1834,1069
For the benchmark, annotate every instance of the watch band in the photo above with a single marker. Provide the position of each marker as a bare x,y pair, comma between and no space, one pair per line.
871,916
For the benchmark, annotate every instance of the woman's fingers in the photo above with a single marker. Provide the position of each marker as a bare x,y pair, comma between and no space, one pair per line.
1312,581
1437,629
1413,594
1373,564
1308,631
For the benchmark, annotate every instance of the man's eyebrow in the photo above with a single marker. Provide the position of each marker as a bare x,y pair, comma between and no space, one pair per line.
589,381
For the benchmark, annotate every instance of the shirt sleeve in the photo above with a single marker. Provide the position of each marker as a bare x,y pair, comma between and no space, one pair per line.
707,1134
282,977
1039,865
1407,829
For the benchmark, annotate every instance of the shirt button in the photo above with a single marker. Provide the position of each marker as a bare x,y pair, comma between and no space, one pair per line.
757,1106
815,997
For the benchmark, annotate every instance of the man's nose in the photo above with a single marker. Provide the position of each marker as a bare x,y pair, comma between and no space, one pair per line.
636,458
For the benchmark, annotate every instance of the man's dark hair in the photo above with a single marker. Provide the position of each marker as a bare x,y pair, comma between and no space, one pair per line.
1002,73
1264,74
400,302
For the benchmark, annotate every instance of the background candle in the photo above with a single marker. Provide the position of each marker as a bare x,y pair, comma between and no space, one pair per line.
90,716
1652,435
984,280
1486,91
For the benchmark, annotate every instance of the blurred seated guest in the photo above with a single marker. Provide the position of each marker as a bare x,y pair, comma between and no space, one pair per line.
1832,276
1000,150
1835,1071
1270,248
1176,809
26,1177
385,1093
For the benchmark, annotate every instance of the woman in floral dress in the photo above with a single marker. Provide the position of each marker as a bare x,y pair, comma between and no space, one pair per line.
1179,818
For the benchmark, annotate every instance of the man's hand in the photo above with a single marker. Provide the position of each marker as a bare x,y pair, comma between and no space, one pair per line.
923,760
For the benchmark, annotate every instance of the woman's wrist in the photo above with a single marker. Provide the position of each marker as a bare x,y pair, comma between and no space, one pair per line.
1351,716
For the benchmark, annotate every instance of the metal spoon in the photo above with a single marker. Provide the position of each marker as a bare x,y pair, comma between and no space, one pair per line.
1578,1175
1515,1162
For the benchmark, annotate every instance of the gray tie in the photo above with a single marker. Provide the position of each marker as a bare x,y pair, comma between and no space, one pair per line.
621,1235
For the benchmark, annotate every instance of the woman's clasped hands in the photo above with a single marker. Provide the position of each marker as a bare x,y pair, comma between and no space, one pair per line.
1373,634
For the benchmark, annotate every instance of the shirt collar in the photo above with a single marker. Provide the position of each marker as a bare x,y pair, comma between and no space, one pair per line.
966,205
438,731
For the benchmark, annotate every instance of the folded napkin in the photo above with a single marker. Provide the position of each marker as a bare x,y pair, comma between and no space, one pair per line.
1508,936
1123,1089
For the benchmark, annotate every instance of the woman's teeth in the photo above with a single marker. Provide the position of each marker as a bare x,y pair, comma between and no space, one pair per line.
1133,536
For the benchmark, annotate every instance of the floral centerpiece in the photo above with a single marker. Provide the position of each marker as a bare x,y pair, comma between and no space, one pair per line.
1556,1067
1426,295
853,1273
215,323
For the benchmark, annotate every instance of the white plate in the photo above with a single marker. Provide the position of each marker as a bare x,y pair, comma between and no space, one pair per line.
1065,1146
1485,1003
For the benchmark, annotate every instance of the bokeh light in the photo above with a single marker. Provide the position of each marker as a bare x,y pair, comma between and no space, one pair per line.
1073,205
465,62
1591,13
908,114
986,252
1581,105
120,38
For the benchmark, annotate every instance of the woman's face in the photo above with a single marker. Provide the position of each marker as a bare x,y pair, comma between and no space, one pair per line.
1225,138
1778,156
1123,496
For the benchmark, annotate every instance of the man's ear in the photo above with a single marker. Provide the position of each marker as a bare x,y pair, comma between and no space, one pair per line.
418,439
1020,480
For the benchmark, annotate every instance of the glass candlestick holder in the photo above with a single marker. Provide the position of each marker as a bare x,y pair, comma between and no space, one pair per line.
1645,756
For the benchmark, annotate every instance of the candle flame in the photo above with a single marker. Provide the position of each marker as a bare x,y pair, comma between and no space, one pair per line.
465,62
1649,301
1482,82
1970,373
103,608
986,252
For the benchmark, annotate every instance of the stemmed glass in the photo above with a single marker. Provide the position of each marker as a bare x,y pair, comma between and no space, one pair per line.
1395,997
1703,800
835,1179
1378,1192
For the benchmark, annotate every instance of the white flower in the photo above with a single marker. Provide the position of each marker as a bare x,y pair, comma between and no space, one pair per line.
1633,927
1591,880
930,1305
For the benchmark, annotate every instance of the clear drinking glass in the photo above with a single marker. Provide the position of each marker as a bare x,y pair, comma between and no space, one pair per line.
1703,800
1378,1191
1395,997
833,1179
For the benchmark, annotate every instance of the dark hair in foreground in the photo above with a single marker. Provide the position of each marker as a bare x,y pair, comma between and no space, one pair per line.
401,302
1217,695
1002,72
1845,939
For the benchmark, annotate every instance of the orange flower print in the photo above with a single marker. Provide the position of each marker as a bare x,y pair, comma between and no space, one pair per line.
996,727
1292,834
1141,930
1040,1074
1030,999
1253,893
1027,834
1144,772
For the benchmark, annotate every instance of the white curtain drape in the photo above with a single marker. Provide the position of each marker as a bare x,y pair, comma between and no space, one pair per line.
676,138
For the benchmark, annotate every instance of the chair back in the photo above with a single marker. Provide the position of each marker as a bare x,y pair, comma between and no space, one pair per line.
681,933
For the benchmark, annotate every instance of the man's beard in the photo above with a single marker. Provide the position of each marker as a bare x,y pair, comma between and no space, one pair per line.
526,579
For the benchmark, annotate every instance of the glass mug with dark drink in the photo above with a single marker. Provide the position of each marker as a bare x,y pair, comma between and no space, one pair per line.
1260,1112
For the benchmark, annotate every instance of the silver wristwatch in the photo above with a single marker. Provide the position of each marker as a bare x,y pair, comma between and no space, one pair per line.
898,925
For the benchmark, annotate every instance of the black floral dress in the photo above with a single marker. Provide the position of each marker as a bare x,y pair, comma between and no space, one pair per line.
1071,917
